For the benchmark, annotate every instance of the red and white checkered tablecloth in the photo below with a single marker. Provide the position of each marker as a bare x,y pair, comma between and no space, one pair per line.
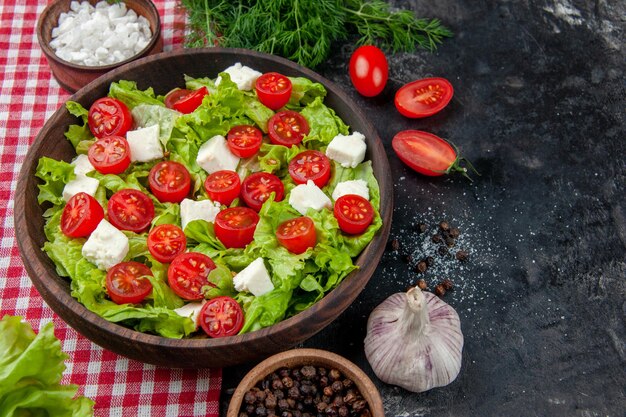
28,97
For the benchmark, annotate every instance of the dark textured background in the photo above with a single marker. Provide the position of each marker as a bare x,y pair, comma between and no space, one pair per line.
539,108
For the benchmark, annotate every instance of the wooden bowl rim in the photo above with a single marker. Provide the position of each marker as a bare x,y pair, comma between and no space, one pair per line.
373,251
305,356
51,54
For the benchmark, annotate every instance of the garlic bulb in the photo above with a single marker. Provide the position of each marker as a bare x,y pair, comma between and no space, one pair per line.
414,340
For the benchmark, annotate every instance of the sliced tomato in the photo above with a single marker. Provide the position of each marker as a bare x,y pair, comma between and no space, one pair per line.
110,155
310,165
175,95
166,241
257,188
425,153
190,102
130,209
287,128
169,181
244,140
235,226
109,117
353,213
188,273
273,90
368,70
223,186
81,215
297,235
221,316
423,98
126,282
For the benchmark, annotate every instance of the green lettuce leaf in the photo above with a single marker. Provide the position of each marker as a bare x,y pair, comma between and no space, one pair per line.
128,93
324,124
78,135
304,91
145,115
55,175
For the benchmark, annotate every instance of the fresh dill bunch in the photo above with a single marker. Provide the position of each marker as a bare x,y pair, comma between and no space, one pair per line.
305,30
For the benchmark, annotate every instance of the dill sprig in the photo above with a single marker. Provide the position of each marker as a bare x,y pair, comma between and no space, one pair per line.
305,30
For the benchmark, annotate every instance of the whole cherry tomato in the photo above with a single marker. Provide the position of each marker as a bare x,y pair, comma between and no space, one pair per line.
369,70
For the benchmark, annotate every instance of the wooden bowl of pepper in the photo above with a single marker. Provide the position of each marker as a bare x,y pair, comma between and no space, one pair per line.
301,381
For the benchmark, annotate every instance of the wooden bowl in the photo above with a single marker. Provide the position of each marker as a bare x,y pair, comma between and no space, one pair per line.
164,72
300,357
72,76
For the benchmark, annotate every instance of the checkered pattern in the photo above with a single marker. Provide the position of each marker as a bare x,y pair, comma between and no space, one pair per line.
28,96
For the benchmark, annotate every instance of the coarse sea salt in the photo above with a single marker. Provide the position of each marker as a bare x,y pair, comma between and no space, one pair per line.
99,35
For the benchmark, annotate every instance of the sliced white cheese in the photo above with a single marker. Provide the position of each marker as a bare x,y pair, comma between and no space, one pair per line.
349,150
214,155
254,279
80,184
144,144
243,76
106,246
358,187
82,165
309,195
191,310
197,210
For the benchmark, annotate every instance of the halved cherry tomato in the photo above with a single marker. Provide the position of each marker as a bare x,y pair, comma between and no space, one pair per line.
287,128
235,226
169,181
426,153
273,90
175,95
244,140
126,282
257,187
166,241
223,186
110,155
130,209
423,98
81,215
109,117
191,101
188,273
353,213
297,235
369,70
310,165
221,316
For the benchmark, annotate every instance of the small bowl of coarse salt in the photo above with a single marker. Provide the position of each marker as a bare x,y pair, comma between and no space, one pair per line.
83,39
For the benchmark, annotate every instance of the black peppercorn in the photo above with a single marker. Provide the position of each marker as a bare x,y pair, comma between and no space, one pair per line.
421,228
436,238
343,411
462,255
455,232
308,372
422,285
287,382
430,261
447,284
444,226
334,374
283,404
440,290
261,411
249,397
421,267
450,241
394,245
442,250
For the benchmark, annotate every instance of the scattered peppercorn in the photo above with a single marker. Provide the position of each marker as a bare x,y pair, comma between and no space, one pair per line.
422,285
442,250
447,284
455,232
444,226
394,244
436,238
430,261
421,228
462,255
440,290
421,267
450,241
407,258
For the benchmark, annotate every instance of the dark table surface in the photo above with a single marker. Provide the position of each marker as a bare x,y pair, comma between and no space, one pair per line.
539,108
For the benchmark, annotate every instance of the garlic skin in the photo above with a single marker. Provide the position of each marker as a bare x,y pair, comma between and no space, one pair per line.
414,341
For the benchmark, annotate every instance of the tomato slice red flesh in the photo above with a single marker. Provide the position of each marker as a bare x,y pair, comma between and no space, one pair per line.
110,155
81,215
353,213
310,165
221,317
273,90
424,152
297,235
130,209
235,226
175,95
166,241
190,102
244,140
223,186
169,181
109,117
258,187
423,98
126,282
287,128
188,273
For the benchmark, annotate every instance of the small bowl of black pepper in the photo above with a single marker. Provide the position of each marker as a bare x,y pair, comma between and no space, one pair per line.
306,383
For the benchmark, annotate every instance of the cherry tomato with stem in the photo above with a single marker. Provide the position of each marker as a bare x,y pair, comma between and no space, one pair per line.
369,70
310,165
353,213
257,188
130,209
169,181
423,98
188,273
81,215
166,241
287,128
244,140
297,235
235,226
223,186
221,316
109,155
273,90
190,102
127,282
109,117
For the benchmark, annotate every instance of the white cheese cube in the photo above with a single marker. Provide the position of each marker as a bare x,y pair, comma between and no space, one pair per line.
197,210
358,187
79,184
349,150
191,310
254,278
243,76
214,155
309,195
82,165
106,246
144,144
